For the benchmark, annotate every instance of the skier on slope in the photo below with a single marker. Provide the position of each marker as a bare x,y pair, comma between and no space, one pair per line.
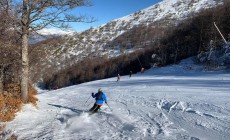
118,77
142,70
130,73
100,98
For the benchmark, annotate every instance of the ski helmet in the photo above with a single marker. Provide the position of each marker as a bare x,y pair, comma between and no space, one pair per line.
99,90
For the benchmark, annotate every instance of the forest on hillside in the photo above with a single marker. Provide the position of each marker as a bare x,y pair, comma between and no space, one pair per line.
160,46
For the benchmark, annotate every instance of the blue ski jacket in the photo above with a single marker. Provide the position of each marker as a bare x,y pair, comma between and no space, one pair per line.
100,97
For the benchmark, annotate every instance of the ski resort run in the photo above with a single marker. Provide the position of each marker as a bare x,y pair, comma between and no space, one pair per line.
178,102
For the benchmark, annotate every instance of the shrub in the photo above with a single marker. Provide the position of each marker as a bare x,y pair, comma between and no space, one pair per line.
10,101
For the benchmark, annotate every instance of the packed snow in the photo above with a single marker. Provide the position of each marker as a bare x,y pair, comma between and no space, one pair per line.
178,102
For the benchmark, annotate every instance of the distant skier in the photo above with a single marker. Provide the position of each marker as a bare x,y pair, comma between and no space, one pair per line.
118,77
142,70
130,73
100,98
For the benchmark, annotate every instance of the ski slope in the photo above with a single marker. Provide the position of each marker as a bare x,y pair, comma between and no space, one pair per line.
178,102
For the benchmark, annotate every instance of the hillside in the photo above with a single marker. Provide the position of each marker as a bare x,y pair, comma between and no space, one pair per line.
95,41
111,39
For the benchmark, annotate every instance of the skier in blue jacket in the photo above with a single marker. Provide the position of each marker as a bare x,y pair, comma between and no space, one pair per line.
100,98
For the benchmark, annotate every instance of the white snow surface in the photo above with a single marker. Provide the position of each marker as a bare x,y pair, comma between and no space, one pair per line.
178,102
54,31
168,9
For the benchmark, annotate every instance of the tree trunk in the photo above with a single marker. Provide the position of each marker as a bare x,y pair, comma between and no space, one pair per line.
1,79
25,61
175,58
25,68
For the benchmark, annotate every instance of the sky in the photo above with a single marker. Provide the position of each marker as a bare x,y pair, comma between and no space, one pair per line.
107,10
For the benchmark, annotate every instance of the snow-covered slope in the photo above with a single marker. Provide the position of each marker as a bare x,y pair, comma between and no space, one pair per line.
44,34
171,10
165,12
178,102
95,41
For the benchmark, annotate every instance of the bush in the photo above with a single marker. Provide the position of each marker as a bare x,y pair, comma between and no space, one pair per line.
10,101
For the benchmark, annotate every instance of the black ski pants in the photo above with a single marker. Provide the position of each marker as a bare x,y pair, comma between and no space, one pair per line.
95,108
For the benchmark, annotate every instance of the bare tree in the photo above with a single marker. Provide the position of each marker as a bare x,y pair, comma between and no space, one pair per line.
5,5
38,14
7,46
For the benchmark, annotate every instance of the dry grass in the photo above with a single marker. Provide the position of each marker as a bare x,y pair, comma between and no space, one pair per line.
10,101
10,104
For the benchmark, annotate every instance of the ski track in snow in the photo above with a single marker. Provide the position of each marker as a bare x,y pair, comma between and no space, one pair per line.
171,106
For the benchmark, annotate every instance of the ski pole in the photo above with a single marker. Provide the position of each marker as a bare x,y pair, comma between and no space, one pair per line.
109,106
89,104
87,100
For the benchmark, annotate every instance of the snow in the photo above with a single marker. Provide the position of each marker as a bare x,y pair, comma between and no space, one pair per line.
178,102
168,9
55,31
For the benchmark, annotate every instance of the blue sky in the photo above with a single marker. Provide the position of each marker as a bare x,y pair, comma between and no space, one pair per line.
108,10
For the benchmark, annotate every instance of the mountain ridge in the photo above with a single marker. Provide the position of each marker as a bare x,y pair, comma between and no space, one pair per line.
97,38
95,42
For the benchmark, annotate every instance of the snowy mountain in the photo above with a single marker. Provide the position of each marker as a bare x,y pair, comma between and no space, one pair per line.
95,41
164,13
45,34
178,102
